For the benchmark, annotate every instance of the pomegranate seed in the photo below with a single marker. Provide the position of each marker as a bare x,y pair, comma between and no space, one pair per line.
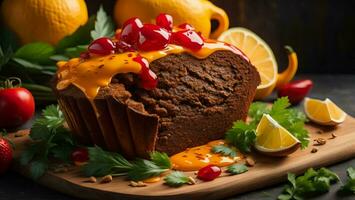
165,21
153,37
148,78
296,90
102,46
186,26
209,173
188,39
80,156
130,30
122,46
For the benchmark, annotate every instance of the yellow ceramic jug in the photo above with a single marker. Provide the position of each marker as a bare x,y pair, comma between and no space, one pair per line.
198,13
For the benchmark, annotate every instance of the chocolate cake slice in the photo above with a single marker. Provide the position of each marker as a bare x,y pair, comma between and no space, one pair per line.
195,101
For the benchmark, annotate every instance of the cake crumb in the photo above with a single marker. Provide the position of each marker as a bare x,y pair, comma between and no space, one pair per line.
314,150
192,181
250,161
106,179
333,136
137,184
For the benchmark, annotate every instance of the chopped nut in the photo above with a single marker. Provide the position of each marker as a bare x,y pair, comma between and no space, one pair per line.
319,131
106,179
319,141
195,172
192,181
92,179
137,184
21,133
314,150
333,136
250,161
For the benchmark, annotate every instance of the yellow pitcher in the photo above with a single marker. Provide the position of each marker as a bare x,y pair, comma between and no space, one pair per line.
198,13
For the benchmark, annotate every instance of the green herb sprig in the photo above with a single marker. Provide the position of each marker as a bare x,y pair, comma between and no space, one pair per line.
176,179
237,169
349,186
224,150
50,139
103,163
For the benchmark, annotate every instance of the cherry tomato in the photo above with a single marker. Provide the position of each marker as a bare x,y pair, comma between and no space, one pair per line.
296,90
209,173
17,105
80,156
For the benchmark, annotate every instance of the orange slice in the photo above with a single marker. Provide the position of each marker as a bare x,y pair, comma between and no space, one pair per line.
324,112
260,55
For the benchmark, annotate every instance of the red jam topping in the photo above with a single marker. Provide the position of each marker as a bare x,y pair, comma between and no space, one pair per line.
209,173
130,31
165,21
148,78
153,37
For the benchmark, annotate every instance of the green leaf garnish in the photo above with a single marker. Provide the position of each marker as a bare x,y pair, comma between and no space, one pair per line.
242,136
104,26
237,169
103,163
312,183
37,52
51,139
349,186
224,150
176,179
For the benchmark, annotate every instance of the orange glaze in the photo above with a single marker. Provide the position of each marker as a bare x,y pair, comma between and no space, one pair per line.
152,179
91,74
195,158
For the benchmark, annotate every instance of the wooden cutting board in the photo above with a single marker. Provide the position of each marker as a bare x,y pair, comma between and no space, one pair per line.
266,172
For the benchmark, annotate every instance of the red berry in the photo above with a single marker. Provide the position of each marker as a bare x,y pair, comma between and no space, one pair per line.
5,155
130,30
80,155
85,55
102,46
153,37
165,21
186,26
148,78
209,173
188,39
296,90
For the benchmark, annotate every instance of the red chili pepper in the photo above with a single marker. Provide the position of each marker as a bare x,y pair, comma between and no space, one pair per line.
296,90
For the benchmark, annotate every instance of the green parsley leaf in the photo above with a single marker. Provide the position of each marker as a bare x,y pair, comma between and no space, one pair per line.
143,169
176,179
104,26
38,168
38,52
224,150
160,159
74,52
237,169
241,135
5,55
312,183
349,186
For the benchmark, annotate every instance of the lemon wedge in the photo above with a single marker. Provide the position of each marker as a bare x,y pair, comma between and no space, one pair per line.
273,139
260,55
324,112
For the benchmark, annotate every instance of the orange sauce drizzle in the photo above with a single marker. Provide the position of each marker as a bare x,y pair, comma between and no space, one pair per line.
91,74
195,158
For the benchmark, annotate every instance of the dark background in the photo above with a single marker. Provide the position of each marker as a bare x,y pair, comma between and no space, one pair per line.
321,31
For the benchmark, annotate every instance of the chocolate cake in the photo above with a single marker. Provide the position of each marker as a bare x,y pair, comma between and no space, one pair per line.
196,101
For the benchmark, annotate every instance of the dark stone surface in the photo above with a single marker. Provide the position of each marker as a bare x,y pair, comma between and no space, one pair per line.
339,88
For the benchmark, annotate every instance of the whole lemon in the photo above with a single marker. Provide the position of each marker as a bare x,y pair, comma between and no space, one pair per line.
44,20
198,13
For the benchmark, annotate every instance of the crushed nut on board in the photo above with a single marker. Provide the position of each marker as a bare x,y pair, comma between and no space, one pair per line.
319,141
250,161
319,131
192,181
92,179
333,136
106,179
137,184
314,150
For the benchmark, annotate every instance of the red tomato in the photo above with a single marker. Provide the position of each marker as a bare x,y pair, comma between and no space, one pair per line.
17,106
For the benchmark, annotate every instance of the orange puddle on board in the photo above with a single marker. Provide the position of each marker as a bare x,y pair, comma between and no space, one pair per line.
195,158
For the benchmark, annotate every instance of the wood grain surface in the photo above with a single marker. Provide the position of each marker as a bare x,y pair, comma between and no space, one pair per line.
267,171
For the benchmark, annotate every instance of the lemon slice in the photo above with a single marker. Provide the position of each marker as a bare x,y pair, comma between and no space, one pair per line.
260,55
273,139
324,112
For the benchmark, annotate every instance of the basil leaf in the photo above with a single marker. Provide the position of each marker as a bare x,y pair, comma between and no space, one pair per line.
80,37
104,26
74,52
37,52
